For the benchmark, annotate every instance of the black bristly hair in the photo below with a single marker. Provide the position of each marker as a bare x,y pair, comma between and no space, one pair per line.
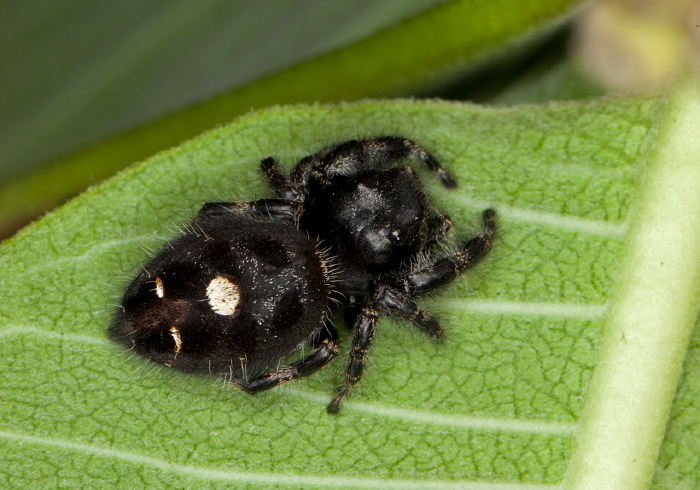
248,283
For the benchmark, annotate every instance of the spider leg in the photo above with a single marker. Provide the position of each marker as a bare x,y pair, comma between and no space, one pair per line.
356,156
402,305
326,350
278,182
363,332
446,269
439,225
262,208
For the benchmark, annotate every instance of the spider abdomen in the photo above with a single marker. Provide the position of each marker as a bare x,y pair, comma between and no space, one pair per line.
231,296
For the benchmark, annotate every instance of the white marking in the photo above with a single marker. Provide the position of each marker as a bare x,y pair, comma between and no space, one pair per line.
482,306
608,229
208,473
86,257
223,296
160,290
175,334
514,425
577,224
522,308
50,334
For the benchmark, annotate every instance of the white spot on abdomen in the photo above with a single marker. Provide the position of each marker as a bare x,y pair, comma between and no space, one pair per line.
223,296
160,290
175,334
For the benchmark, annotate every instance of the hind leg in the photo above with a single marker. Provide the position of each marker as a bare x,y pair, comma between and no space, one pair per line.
326,349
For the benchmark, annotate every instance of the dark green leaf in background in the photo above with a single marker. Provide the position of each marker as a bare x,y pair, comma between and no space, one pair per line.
136,64
83,71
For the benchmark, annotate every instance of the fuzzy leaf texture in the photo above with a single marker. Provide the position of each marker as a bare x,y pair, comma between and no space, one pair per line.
503,404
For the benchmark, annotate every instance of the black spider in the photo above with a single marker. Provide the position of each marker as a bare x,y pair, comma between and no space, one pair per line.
248,283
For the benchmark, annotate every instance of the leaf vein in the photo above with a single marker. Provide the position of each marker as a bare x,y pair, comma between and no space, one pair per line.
264,478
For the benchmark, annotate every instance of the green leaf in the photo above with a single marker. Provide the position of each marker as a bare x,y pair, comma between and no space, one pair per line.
652,312
178,71
498,404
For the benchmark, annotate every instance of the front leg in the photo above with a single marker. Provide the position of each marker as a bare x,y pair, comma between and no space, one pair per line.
402,305
444,270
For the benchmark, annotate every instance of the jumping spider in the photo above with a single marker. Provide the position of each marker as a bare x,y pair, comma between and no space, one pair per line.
248,283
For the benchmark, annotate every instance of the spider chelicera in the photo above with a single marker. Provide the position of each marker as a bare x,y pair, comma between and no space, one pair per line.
249,283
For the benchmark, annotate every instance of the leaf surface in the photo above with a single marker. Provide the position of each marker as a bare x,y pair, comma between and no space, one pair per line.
498,404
